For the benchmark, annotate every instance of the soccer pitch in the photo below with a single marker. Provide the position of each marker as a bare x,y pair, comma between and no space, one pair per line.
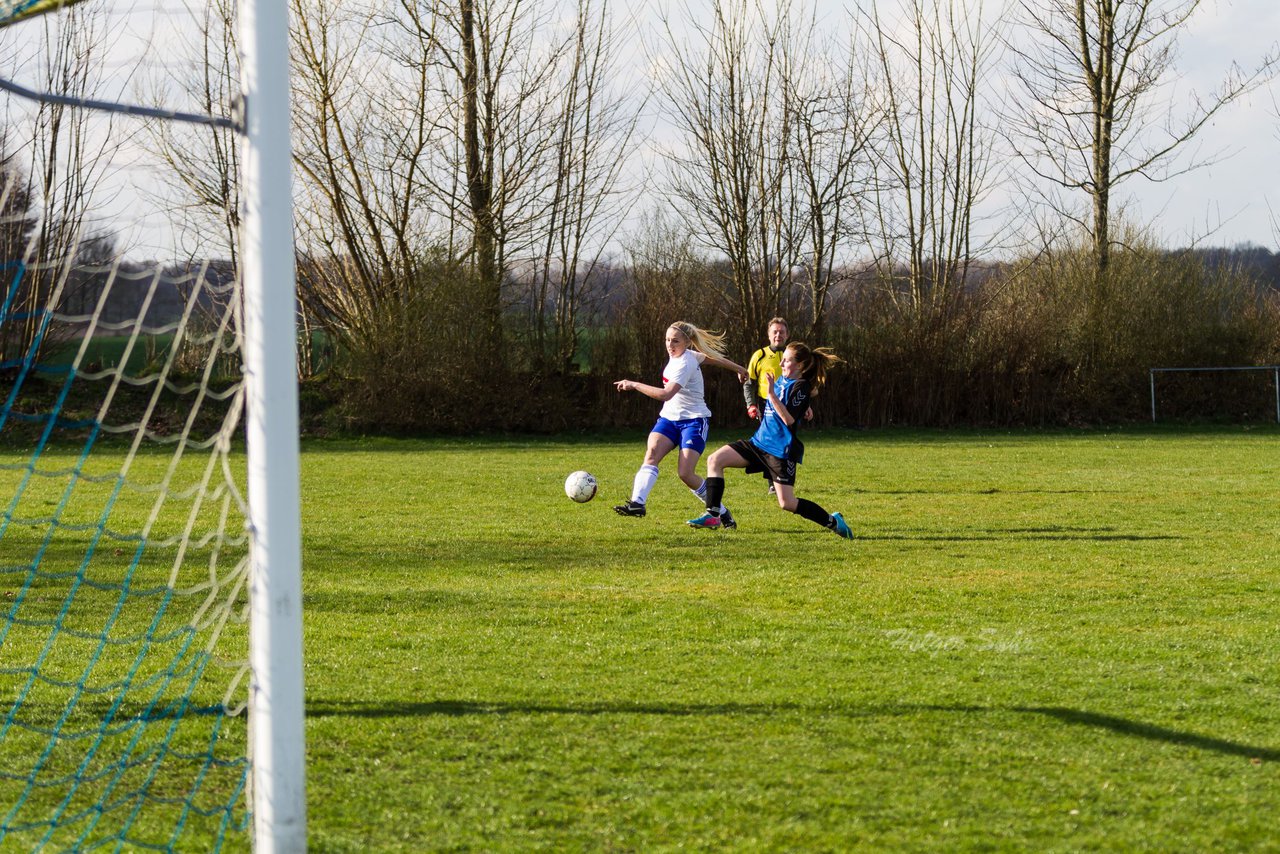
1037,641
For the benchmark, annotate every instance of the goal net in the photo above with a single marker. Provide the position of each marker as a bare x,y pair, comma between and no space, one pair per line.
124,557
150,648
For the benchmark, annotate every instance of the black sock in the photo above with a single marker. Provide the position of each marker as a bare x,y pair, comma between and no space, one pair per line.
715,495
808,510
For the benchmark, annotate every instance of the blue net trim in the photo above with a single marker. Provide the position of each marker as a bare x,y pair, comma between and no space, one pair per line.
124,570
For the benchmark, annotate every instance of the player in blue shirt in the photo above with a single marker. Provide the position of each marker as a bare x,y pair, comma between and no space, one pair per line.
776,448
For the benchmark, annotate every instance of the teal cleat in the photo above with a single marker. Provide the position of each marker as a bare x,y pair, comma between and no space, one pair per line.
841,528
706,520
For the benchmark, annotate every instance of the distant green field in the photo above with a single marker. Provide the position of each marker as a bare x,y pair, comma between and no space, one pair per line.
108,351
149,351
1038,641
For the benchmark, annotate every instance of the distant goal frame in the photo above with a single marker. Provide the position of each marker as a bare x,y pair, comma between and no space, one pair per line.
1274,369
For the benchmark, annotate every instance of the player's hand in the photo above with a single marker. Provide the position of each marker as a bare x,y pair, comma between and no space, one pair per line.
754,412
808,414
624,385
769,377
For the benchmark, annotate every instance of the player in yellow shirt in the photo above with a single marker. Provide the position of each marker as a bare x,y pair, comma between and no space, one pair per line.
767,360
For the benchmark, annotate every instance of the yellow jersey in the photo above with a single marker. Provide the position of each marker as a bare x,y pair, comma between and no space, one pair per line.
766,360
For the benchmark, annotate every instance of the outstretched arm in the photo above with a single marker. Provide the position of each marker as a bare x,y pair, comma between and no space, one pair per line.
721,362
661,394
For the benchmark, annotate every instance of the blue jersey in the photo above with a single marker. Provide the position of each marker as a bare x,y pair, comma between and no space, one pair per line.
773,436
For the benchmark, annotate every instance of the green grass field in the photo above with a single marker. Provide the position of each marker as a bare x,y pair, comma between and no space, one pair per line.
1056,641
1037,641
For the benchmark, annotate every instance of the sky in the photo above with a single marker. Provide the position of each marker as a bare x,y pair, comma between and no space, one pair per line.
1238,199
1235,200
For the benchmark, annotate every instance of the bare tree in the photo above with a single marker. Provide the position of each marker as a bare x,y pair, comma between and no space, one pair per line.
71,149
201,189
18,220
937,148
493,66
835,117
1092,111
774,123
483,131
68,149
361,128
586,193
725,89
480,161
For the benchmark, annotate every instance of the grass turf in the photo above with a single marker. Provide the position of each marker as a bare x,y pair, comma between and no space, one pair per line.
1055,641
1037,641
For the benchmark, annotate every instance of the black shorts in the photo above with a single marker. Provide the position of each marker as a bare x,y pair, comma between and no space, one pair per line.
776,469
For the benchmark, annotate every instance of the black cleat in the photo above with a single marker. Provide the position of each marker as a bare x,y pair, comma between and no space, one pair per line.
727,520
629,508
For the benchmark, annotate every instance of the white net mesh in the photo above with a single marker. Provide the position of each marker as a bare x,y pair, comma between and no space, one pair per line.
123,552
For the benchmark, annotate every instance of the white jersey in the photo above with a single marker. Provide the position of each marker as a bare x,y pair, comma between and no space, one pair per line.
689,401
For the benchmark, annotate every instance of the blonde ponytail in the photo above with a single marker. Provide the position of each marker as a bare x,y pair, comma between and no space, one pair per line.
702,340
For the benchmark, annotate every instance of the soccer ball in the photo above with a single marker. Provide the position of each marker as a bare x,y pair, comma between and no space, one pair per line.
580,486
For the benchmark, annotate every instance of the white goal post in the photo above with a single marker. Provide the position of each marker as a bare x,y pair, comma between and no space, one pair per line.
1274,369
271,431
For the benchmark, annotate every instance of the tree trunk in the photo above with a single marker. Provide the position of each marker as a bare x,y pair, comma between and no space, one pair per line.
479,186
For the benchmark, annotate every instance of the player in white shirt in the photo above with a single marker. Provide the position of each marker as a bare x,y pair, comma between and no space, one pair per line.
682,422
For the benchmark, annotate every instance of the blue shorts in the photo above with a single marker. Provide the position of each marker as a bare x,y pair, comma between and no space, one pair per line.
690,433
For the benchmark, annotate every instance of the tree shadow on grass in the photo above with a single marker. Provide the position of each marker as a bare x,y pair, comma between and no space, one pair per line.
321,708
1151,732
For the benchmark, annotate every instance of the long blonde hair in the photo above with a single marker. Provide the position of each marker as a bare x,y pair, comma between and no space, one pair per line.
702,340
814,363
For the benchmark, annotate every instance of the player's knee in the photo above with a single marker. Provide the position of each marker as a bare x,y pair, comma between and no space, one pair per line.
714,469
